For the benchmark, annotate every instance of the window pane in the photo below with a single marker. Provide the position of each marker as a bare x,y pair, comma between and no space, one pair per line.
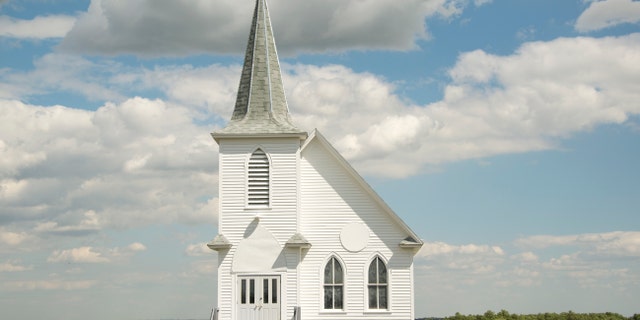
243,292
328,275
337,272
382,272
338,297
382,297
265,290
252,291
274,290
328,297
373,297
372,272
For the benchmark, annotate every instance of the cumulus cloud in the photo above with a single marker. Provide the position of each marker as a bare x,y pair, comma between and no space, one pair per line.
493,105
136,246
90,223
441,248
49,285
140,161
619,243
13,266
608,13
154,28
88,254
81,171
44,27
8,238
198,250
469,258
77,255
523,102
470,271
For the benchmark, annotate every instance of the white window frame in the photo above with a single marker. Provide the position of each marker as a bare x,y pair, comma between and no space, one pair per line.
344,285
385,262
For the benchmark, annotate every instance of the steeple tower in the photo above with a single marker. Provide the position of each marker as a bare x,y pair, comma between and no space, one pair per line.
261,106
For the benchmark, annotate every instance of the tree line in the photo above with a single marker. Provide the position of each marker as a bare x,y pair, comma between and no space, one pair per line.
570,315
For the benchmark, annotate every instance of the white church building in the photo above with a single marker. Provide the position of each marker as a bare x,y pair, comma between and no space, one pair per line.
301,234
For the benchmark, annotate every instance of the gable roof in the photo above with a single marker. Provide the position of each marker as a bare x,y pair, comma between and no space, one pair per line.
412,240
261,106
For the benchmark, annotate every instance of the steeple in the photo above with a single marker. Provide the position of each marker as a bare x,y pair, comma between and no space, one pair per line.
261,106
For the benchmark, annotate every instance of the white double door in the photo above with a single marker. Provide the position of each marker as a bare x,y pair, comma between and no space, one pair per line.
259,297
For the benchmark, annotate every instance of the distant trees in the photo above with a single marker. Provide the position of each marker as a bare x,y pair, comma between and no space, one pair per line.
570,315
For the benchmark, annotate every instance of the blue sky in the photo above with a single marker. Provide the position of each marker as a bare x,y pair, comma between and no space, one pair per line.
505,133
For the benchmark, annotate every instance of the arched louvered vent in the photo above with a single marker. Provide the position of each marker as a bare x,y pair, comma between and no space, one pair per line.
258,194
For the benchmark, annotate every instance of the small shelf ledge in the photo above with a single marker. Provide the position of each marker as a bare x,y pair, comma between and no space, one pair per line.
298,241
411,243
219,243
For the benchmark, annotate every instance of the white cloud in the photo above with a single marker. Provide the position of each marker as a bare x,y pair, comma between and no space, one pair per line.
81,176
440,248
88,254
154,28
13,266
495,104
618,243
141,161
526,257
488,276
8,238
608,13
522,102
198,250
89,223
77,255
137,246
44,27
49,285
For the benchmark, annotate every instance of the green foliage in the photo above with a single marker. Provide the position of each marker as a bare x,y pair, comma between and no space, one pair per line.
570,315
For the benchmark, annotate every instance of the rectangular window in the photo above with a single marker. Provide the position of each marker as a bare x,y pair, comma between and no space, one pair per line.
265,290
328,297
337,304
373,297
252,291
382,297
274,288
243,291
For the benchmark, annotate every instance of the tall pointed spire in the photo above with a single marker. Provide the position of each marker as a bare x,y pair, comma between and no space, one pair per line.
261,105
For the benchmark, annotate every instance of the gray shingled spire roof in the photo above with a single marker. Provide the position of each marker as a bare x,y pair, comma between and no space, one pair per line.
261,106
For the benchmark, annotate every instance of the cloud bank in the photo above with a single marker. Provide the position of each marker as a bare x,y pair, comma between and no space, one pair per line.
44,27
153,28
608,13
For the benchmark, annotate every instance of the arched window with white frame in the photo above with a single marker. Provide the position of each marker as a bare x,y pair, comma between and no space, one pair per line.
258,179
333,285
378,284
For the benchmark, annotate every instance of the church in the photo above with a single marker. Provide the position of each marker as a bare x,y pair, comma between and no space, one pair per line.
301,235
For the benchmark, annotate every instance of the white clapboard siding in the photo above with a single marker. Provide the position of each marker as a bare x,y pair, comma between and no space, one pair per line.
331,199
236,212
279,216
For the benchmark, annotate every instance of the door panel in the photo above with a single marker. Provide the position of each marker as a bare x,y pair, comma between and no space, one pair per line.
259,298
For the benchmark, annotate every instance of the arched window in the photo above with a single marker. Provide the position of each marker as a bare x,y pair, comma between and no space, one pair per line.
258,179
378,284
333,284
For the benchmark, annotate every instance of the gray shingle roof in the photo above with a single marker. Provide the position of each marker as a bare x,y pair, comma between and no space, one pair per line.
261,105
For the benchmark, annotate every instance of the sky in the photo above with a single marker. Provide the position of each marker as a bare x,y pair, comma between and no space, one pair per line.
506,133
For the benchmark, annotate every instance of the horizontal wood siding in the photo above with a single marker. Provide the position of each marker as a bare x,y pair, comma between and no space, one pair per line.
280,218
330,200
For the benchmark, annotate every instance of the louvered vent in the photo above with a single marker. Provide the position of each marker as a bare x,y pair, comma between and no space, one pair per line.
258,179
